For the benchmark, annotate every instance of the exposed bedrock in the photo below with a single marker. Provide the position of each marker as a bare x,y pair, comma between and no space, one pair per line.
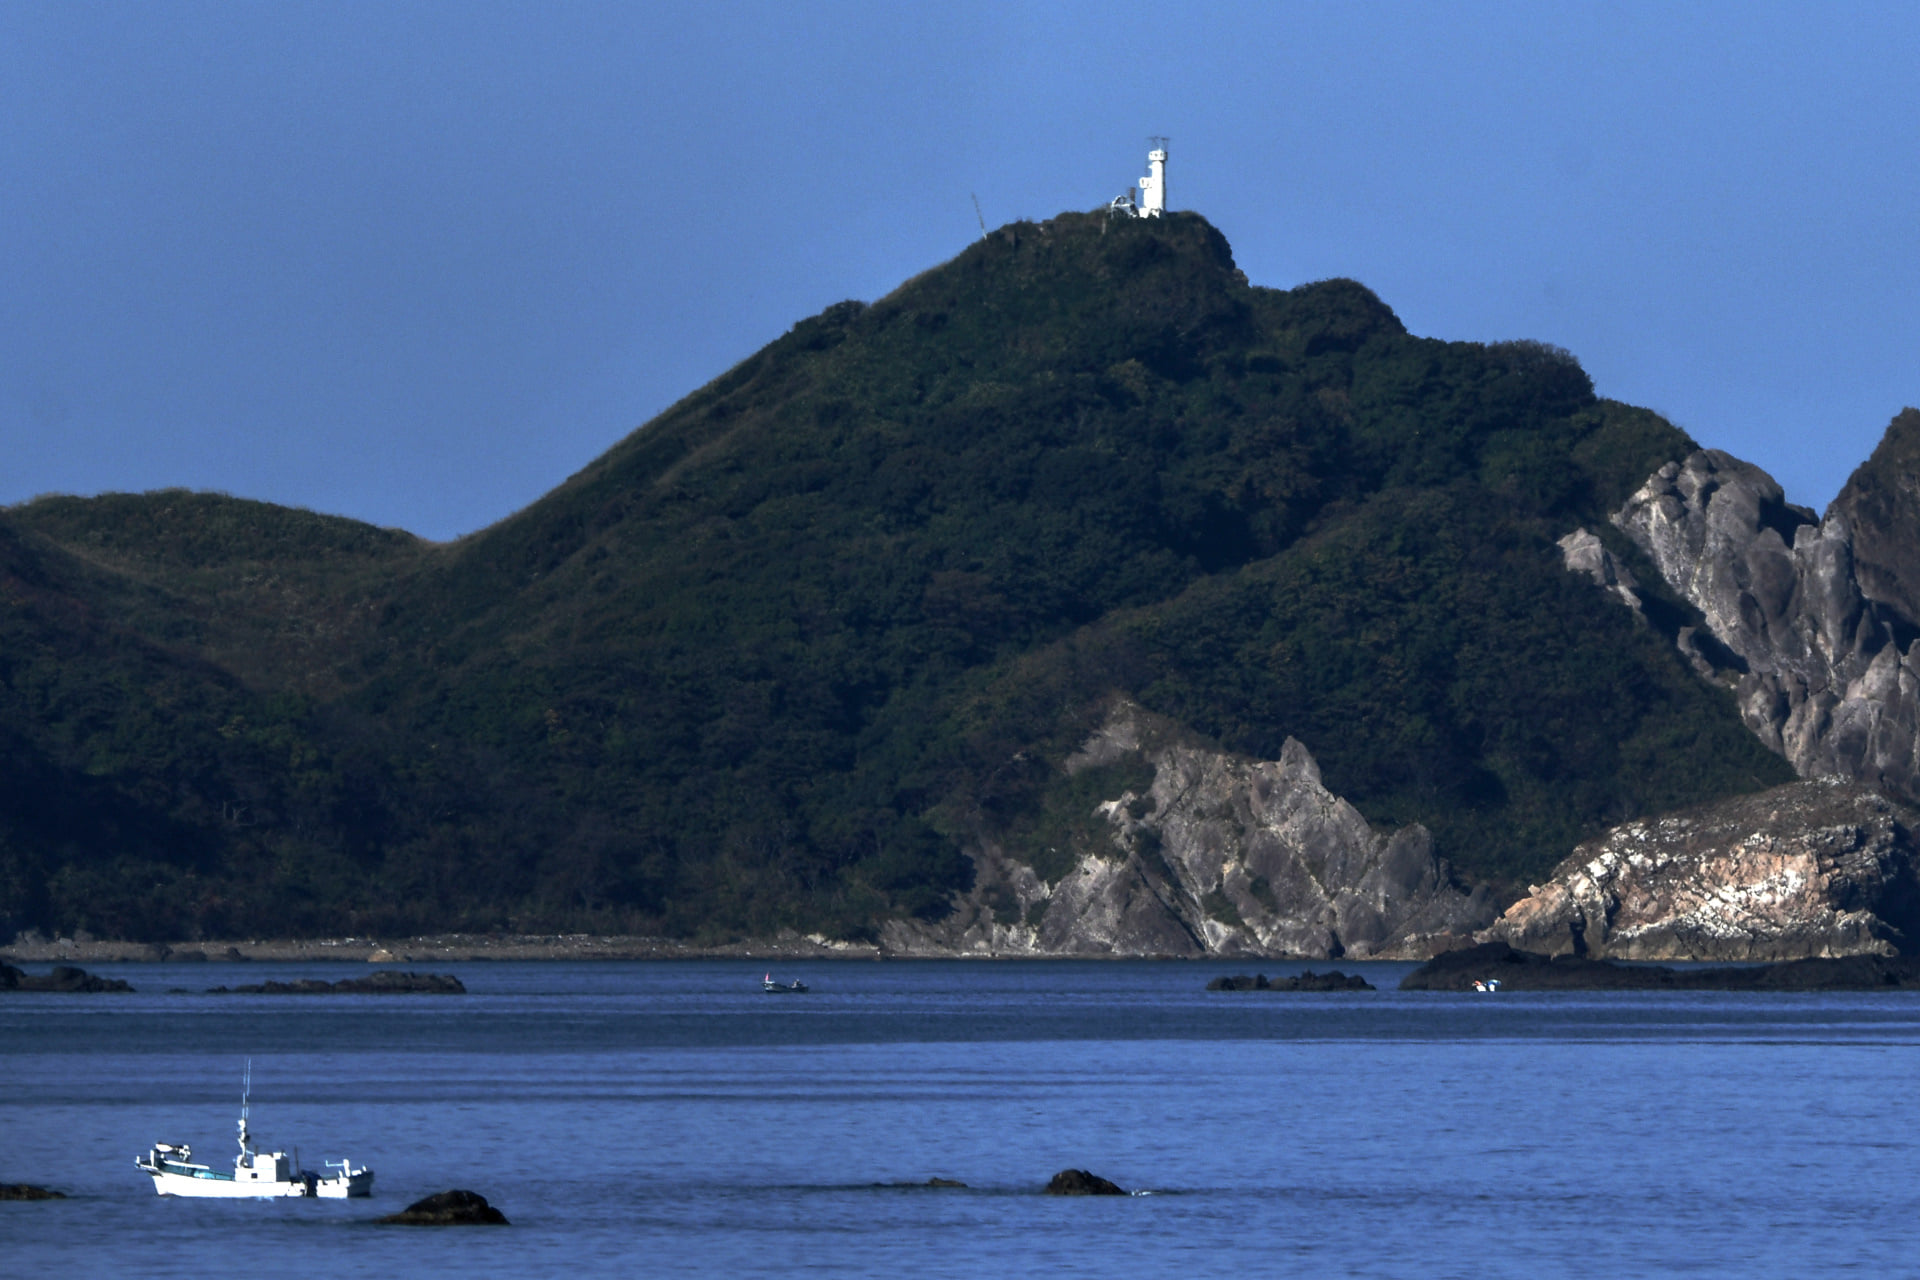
1817,868
1815,615
1584,553
1220,856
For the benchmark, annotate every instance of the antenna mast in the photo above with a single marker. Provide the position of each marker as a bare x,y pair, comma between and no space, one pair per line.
979,215
246,1092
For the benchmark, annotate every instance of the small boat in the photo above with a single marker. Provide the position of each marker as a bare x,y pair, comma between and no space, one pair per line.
1489,984
255,1173
782,988
350,1181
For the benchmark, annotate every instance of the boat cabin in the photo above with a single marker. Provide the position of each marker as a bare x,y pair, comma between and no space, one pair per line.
256,1166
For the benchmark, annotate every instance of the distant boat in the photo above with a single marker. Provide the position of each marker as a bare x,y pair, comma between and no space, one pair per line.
767,984
255,1173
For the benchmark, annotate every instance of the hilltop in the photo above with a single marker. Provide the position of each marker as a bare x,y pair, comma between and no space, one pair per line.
807,648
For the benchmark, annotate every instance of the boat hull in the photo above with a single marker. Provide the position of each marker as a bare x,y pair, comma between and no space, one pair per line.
255,1176
184,1184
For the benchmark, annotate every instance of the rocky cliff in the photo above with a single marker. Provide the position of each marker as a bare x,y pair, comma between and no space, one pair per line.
1220,855
1881,504
1811,623
1817,868
1814,615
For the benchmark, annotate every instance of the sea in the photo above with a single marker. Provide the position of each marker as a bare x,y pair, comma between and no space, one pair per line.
671,1119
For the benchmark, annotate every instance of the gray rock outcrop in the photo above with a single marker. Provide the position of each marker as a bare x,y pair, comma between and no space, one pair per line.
1220,856
1823,672
1584,553
1818,868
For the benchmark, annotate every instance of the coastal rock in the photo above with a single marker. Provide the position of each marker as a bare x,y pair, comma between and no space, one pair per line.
386,982
1818,868
448,1209
1078,1182
1221,855
1530,971
1308,981
24,1191
1815,615
64,978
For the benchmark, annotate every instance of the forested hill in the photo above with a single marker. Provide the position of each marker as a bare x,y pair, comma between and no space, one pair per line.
786,654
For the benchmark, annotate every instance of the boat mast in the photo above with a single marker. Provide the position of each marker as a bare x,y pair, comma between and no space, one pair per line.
246,1092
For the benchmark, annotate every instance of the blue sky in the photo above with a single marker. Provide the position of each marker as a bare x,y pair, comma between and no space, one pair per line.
417,263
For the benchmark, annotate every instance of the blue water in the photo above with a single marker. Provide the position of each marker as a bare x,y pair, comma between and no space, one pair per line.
638,1119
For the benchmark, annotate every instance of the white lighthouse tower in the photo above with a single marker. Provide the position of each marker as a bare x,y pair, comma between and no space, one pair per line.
1153,187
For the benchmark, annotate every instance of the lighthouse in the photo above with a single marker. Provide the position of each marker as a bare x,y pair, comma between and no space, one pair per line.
1153,187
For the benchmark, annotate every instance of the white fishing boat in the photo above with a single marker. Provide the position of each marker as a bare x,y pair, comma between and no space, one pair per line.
256,1174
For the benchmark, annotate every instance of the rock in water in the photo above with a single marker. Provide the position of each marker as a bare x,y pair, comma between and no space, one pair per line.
1239,982
1820,868
386,982
63,978
22,1191
1308,981
449,1209
1078,1182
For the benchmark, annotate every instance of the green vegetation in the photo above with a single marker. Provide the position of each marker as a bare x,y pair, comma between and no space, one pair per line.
776,658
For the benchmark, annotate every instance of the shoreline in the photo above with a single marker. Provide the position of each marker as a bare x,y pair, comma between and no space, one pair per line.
430,949
465,947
